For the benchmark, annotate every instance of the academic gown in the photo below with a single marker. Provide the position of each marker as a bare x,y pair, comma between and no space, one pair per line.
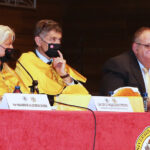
49,82
9,79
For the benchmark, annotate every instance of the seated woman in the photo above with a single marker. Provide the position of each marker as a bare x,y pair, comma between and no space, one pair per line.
8,78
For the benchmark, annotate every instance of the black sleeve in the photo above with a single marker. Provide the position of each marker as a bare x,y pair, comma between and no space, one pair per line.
114,76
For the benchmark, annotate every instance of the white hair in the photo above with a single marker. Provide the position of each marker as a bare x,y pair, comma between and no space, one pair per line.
5,33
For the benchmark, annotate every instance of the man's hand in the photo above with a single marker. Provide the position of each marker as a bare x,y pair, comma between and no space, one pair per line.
59,64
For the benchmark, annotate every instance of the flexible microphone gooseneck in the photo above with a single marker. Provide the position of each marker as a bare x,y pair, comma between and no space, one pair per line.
34,86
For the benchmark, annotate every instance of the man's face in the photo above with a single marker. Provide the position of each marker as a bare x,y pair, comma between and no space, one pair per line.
6,44
141,47
52,37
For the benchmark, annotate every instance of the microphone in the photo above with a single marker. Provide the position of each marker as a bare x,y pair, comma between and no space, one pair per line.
34,86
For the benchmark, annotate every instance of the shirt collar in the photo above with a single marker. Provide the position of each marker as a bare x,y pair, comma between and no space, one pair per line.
43,58
141,66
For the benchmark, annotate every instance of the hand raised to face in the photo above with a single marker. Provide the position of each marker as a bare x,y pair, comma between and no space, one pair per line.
59,64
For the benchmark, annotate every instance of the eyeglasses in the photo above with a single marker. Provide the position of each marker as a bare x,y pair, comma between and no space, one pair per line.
145,45
52,40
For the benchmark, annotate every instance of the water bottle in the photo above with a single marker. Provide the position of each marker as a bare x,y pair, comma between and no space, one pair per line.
17,89
110,93
145,98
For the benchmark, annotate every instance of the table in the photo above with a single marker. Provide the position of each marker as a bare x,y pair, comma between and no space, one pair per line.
70,130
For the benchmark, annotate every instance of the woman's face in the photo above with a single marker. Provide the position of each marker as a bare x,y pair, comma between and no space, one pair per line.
7,44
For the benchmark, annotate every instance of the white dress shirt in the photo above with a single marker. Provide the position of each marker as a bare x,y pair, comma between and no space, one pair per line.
43,58
143,74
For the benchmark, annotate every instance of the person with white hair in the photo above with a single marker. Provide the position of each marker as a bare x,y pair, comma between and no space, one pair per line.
8,78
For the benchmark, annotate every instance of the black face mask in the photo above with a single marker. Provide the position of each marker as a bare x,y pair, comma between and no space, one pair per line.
10,55
52,50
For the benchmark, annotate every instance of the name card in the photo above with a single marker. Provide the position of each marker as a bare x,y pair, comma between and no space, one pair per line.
115,104
25,102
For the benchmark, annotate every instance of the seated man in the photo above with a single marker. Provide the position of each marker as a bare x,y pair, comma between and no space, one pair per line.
127,68
8,77
130,68
54,76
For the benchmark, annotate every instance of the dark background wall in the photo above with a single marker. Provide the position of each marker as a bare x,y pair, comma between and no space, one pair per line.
93,31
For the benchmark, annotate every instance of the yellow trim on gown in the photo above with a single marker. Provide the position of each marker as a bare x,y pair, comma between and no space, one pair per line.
9,79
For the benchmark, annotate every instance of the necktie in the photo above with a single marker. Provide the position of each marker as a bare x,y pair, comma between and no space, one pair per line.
147,79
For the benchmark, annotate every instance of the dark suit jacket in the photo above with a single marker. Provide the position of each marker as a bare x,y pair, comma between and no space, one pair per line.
120,71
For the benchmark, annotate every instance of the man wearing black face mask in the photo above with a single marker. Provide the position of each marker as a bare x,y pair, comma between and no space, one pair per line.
47,65
8,78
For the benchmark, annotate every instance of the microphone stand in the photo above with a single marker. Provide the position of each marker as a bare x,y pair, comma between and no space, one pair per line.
34,86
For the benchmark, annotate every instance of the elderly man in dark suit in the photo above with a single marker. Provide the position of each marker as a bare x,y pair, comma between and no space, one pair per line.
128,69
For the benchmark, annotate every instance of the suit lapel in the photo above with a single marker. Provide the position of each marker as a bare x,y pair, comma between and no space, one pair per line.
137,72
